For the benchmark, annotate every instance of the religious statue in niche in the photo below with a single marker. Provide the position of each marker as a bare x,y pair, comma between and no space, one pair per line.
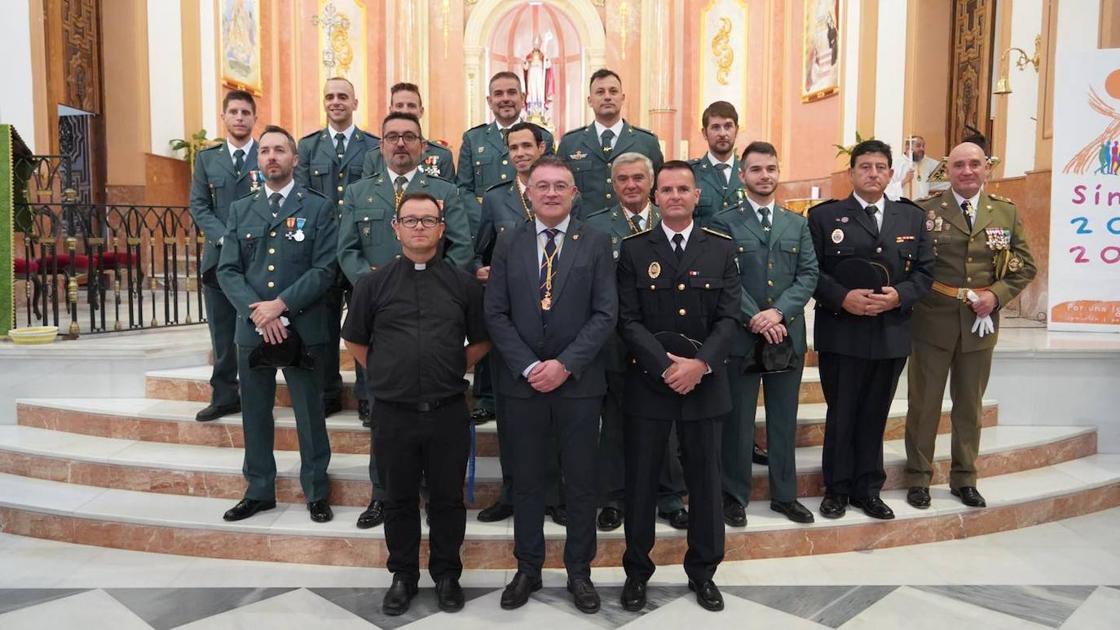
540,83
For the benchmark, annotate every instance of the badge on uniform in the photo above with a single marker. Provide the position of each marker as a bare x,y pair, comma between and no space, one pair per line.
365,231
939,225
838,236
903,239
255,181
654,270
998,238
578,155
431,165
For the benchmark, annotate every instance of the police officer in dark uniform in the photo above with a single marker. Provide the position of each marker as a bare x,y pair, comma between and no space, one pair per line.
717,171
223,174
329,160
862,332
676,282
277,264
406,324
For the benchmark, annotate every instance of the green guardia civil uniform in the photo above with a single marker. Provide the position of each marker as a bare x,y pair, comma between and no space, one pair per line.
583,150
292,257
994,254
484,163
717,192
777,269
436,160
215,184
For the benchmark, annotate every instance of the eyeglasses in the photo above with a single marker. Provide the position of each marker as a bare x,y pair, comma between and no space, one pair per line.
412,222
393,138
544,187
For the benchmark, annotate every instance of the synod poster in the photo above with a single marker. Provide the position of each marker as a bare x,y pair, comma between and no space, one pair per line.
1084,291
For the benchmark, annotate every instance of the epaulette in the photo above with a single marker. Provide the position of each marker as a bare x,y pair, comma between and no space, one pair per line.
928,197
827,201
481,126
437,178
500,184
909,202
716,233
598,212
576,130
217,143
696,161
312,191
313,133
645,131
1001,198
645,231
443,143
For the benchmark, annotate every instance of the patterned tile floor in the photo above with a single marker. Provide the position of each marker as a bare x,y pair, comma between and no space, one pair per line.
1059,575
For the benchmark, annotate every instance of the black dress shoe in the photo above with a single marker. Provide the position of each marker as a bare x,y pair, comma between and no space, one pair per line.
373,515
759,456
246,508
793,510
734,514
584,595
320,511
610,519
874,507
518,590
633,595
677,519
399,596
213,412
969,496
834,505
918,497
481,416
497,512
559,514
331,407
363,413
449,595
707,595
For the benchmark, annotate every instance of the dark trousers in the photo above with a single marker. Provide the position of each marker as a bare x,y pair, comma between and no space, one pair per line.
575,424
327,363
553,489
221,320
781,390
858,393
434,446
258,393
483,387
645,450
612,455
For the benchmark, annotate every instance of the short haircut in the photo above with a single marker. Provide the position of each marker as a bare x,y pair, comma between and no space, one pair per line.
603,73
538,133
870,146
676,165
632,157
343,79
402,116
758,146
282,131
552,161
404,86
916,137
239,95
419,196
723,109
504,74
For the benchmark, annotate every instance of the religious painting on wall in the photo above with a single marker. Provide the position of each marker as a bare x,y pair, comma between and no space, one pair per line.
723,45
240,33
821,46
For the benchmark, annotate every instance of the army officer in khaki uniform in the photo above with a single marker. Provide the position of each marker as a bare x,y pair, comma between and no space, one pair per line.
980,247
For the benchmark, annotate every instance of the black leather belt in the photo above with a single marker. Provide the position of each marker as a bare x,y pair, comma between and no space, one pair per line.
423,407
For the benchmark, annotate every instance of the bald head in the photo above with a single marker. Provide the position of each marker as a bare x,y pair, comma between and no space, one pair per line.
968,169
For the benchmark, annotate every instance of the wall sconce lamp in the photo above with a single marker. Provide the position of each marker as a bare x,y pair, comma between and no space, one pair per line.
1003,85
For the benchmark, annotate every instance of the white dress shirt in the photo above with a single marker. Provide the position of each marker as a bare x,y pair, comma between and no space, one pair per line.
878,216
348,132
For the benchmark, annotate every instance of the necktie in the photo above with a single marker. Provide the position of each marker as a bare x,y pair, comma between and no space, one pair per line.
340,145
238,161
966,209
548,268
606,139
765,220
725,170
274,203
398,188
872,210
636,222
678,245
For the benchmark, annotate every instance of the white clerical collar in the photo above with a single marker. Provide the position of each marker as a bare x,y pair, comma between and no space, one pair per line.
686,233
231,148
562,227
616,128
284,192
973,201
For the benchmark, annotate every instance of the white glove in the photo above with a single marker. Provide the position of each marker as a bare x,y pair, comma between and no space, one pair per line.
983,325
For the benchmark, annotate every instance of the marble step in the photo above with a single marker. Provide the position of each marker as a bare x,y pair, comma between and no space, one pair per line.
193,526
154,420
193,383
216,471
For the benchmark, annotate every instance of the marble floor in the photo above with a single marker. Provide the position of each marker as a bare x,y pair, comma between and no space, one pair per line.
1064,574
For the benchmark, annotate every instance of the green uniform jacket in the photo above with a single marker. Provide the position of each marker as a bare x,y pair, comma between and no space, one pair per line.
964,259
320,168
502,209
581,149
365,235
716,194
778,270
436,161
259,262
484,163
214,186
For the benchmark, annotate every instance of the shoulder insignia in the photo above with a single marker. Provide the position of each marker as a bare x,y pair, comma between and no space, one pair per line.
697,161
1001,198
576,130
217,144
596,213
827,202
314,193
645,231
480,126
908,202
716,233
442,142
313,134
642,130
500,185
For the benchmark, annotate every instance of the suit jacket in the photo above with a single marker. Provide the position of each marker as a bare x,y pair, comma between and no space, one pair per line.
842,230
697,296
365,235
964,259
776,269
583,152
502,209
436,160
584,310
259,262
716,193
484,163
214,186
320,168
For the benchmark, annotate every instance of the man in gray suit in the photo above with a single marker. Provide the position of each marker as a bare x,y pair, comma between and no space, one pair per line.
551,304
